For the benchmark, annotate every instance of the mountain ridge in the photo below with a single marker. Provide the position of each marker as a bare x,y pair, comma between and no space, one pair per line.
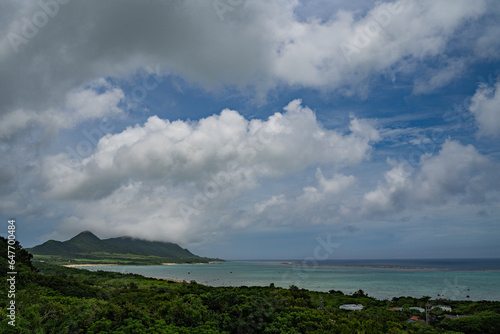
157,248
86,246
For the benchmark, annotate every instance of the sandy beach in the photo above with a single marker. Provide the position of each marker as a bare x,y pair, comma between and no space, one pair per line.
173,264
169,279
106,264
87,265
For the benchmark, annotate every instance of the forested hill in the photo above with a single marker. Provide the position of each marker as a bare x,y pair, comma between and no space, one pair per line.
144,247
87,247
85,242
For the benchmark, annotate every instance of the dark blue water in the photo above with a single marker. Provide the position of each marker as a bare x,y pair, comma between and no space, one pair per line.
418,264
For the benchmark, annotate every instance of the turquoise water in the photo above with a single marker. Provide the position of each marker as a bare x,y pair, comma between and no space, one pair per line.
382,280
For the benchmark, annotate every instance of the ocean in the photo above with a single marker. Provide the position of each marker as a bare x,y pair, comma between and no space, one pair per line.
457,279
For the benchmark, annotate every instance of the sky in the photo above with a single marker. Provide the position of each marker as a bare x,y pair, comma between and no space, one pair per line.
254,129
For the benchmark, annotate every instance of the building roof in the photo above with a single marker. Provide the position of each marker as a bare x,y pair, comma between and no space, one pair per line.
411,308
352,307
443,307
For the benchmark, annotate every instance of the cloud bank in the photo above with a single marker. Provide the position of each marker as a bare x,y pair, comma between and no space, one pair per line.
202,165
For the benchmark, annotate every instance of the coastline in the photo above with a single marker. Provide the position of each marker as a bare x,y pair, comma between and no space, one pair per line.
175,263
114,264
89,265
169,279
379,282
100,265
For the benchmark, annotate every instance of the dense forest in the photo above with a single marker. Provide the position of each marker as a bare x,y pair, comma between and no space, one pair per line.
55,299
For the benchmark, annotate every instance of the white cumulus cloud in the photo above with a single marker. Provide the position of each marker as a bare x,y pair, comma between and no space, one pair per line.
180,152
485,105
456,172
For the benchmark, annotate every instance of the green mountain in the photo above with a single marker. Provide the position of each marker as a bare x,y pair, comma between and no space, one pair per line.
86,247
85,242
156,248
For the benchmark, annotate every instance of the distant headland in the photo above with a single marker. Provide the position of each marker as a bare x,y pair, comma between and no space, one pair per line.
87,248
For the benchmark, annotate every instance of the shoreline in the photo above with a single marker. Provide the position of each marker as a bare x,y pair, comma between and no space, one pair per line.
175,263
90,265
114,264
181,274
169,279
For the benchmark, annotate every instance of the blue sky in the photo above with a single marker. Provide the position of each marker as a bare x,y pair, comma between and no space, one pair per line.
254,129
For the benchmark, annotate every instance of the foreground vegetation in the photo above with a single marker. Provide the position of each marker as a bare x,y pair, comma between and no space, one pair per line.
54,299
